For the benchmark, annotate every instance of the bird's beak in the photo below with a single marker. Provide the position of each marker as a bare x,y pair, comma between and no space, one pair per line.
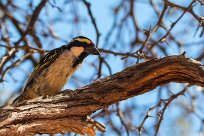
92,50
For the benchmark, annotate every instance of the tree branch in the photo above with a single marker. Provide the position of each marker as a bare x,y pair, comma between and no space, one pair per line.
68,110
33,20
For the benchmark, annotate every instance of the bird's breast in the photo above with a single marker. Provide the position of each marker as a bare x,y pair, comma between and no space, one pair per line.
60,71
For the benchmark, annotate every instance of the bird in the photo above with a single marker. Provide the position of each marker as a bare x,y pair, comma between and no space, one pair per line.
56,68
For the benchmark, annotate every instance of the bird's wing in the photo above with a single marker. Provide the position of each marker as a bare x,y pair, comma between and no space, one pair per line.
44,63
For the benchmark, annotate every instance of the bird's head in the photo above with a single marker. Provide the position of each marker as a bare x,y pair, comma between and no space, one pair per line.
83,46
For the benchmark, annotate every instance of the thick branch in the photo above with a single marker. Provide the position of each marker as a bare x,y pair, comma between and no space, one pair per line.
66,111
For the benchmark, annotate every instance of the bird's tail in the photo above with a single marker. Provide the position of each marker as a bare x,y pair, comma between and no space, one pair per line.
19,99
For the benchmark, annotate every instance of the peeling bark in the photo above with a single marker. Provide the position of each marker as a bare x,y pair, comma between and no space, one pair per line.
68,111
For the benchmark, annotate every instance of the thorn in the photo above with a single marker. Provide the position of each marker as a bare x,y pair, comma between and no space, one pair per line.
171,93
183,54
183,93
150,116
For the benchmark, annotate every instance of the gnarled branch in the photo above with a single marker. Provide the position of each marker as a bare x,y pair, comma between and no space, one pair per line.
68,110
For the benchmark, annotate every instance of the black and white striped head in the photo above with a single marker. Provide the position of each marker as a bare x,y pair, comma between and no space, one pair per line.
82,46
